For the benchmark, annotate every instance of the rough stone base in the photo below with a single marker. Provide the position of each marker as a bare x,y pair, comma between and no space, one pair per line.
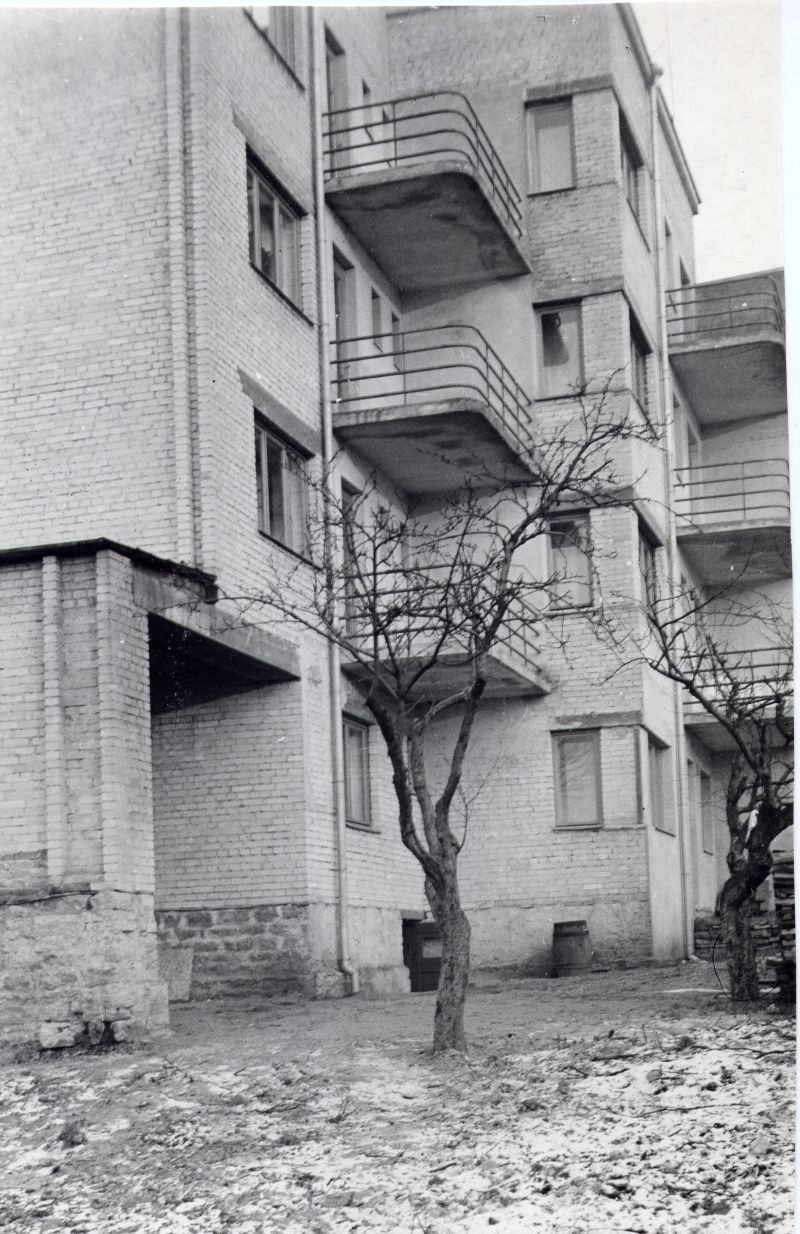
236,951
378,982
79,956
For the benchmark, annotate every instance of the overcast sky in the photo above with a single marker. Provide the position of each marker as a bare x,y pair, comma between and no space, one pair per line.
720,61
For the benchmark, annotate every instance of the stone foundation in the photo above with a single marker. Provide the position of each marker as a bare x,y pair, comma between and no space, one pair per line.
79,956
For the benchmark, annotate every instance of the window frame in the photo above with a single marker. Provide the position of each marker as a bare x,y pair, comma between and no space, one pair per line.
292,461
351,724
555,310
376,319
648,567
566,737
639,350
291,288
533,110
656,782
561,604
631,166
705,791
397,340
283,41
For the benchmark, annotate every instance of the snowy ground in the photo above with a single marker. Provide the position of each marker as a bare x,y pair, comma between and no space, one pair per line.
634,1101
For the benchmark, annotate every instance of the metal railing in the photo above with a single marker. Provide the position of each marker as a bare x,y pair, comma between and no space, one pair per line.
418,366
708,311
419,128
727,492
755,678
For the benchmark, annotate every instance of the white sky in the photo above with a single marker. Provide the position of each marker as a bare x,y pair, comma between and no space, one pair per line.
721,81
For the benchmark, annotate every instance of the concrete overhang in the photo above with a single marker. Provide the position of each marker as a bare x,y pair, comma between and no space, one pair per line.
750,551
432,226
432,446
508,675
197,658
705,728
731,379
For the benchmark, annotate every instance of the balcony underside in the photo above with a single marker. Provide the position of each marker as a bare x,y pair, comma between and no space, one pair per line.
731,380
430,447
755,551
429,227
705,728
508,676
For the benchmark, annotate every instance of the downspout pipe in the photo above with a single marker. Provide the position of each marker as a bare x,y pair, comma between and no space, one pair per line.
330,546
687,912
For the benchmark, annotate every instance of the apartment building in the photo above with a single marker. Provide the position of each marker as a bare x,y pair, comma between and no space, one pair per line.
243,239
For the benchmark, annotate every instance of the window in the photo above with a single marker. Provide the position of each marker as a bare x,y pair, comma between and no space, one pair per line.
349,498
647,569
639,354
550,150
377,320
281,487
366,110
343,317
669,255
560,358
570,564
577,780
356,773
337,101
397,343
631,164
685,280
277,22
274,233
656,755
706,815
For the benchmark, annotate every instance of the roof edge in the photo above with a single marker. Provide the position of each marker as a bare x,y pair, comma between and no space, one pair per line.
88,548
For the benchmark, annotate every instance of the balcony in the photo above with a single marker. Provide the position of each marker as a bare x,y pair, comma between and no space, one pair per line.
419,184
757,678
431,408
733,519
512,668
727,346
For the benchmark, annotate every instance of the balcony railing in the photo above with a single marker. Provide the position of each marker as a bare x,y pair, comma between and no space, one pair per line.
427,365
756,679
418,129
731,307
733,492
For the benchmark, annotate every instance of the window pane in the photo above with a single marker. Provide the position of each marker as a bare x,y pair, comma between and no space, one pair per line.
266,228
252,215
295,489
706,816
551,157
282,32
289,274
377,322
277,521
561,369
397,343
569,559
263,514
656,788
356,778
578,780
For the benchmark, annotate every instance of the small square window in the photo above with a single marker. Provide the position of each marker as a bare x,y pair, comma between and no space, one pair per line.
356,774
578,781
277,22
570,562
550,146
281,487
560,350
274,231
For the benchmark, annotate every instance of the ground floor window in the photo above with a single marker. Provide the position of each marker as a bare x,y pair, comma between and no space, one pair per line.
657,762
356,773
706,814
577,780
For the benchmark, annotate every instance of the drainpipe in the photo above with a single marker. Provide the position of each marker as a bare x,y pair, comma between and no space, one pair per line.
330,548
684,850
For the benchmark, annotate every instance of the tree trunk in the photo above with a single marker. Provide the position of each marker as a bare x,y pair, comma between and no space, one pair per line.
448,1023
737,935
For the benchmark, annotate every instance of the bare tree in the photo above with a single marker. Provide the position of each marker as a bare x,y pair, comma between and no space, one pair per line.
696,639
419,602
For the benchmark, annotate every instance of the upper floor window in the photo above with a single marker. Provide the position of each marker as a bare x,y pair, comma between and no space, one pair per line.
648,568
560,367
274,233
277,22
356,774
577,779
638,362
570,563
377,320
550,146
282,487
631,166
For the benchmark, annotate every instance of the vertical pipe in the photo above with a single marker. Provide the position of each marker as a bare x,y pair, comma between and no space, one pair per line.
317,64
687,913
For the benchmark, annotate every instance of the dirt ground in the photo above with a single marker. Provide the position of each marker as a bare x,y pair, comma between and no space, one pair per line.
623,1101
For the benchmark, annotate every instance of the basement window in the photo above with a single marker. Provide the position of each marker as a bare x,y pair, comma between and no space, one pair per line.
356,773
578,782
282,489
560,368
274,232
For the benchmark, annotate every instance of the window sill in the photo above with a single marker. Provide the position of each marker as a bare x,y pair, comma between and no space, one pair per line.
579,827
567,188
291,551
279,55
281,294
568,610
558,398
365,828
